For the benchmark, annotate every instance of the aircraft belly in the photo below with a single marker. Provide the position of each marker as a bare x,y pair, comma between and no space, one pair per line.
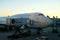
36,25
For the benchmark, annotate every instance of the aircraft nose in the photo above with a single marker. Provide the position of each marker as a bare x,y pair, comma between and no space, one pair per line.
49,21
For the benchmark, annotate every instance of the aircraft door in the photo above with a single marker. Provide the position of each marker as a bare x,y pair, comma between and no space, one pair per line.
31,22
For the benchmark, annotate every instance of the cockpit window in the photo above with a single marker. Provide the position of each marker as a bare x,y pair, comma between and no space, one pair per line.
40,14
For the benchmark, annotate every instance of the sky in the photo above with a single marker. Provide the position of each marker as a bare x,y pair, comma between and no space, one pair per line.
47,7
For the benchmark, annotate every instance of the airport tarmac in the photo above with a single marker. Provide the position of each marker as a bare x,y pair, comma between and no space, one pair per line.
47,32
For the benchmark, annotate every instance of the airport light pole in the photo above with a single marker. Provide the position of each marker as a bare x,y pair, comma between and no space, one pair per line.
54,24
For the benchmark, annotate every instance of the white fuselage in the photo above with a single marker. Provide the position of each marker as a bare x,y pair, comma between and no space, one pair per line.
39,19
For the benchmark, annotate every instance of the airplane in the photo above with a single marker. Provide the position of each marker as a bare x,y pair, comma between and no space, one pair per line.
28,21
32,19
